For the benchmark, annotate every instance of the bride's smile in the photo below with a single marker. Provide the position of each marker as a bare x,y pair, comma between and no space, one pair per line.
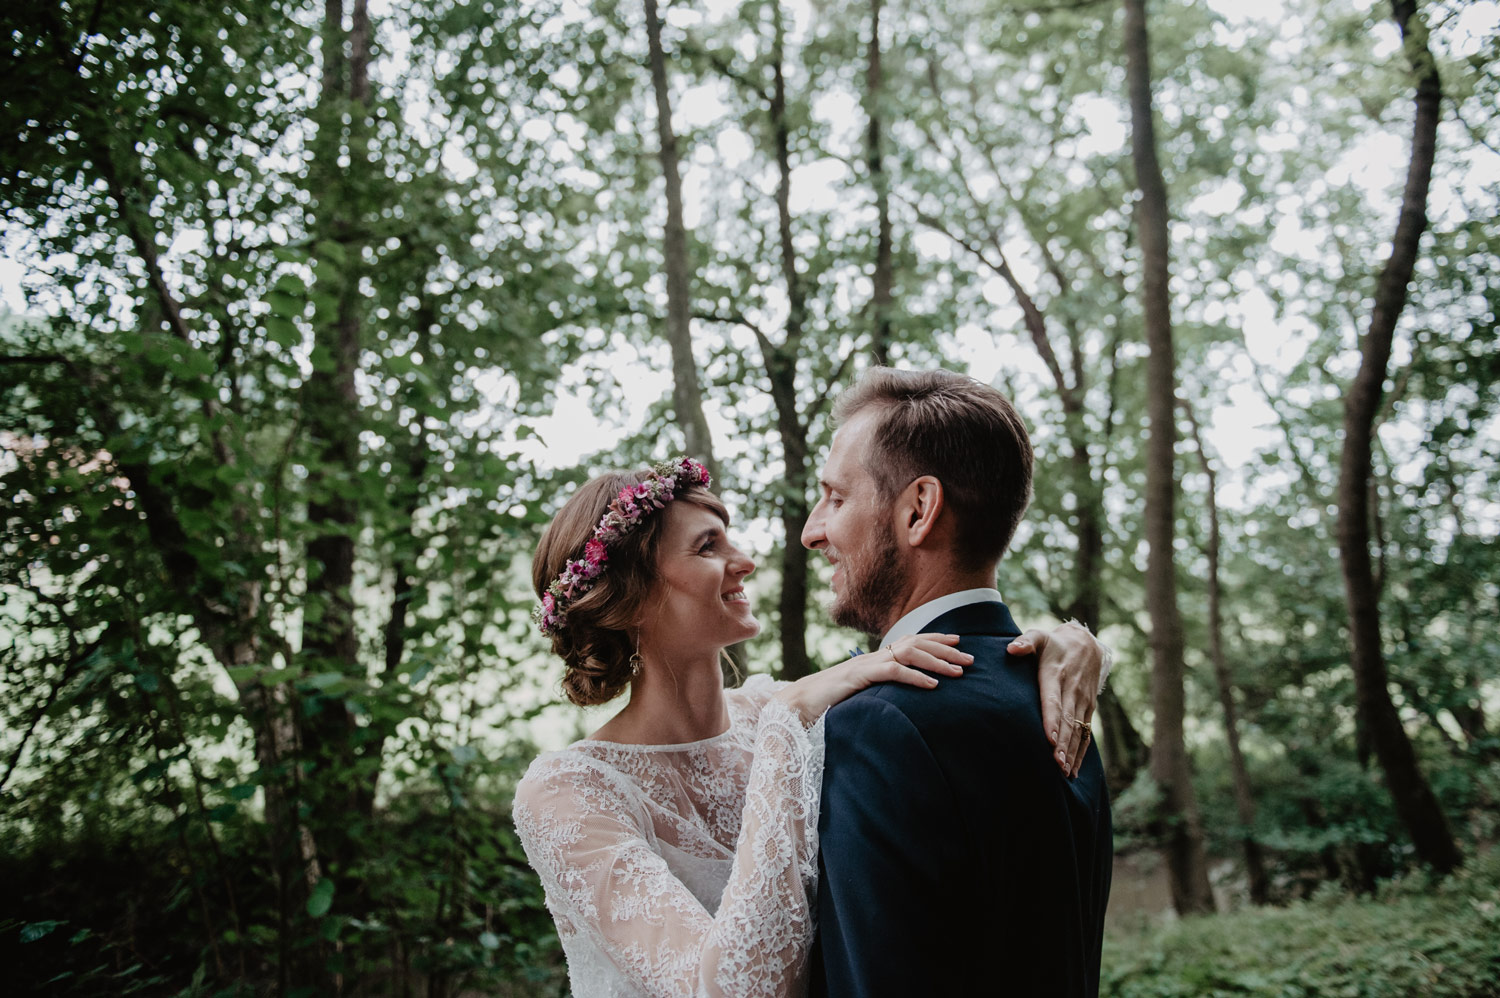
700,604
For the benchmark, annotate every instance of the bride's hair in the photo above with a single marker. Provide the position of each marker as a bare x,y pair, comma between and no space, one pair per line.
595,644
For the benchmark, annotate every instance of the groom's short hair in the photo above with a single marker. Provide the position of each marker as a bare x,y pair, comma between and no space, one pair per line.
962,432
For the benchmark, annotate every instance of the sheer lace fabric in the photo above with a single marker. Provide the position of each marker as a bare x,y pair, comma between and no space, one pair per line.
683,869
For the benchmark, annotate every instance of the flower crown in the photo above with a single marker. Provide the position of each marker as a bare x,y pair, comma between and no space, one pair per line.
628,511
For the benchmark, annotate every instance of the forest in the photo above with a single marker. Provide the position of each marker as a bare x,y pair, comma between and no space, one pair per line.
314,314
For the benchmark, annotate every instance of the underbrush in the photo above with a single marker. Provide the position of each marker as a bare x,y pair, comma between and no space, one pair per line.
442,905
1413,937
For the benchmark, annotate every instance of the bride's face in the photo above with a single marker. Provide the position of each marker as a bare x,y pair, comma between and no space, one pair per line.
700,604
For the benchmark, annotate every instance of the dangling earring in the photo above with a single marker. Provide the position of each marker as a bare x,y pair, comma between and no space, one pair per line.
635,660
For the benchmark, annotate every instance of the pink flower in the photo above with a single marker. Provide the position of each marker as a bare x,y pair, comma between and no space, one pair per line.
594,551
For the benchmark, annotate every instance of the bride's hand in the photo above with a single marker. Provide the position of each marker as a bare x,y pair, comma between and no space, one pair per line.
1071,667
906,660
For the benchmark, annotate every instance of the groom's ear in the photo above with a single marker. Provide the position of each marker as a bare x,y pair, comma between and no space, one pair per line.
920,505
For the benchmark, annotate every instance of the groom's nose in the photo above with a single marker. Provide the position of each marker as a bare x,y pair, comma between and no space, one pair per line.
813,536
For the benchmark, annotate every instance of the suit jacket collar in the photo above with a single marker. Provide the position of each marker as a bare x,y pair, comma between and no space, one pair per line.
977,618
918,620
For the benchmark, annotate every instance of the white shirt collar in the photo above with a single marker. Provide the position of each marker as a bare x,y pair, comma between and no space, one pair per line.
917,620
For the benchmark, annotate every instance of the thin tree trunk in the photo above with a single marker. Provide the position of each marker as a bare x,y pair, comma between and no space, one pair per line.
1121,745
1124,751
330,397
687,391
403,564
334,787
1186,863
781,368
1469,710
687,394
331,642
1469,713
1416,804
1244,799
884,280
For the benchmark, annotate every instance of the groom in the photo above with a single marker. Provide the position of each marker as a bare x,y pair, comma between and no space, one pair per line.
956,859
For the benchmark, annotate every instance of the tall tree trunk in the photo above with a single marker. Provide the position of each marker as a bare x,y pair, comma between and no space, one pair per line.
1186,863
1124,751
687,393
1244,800
1120,744
1416,804
884,280
408,547
781,368
333,785
331,642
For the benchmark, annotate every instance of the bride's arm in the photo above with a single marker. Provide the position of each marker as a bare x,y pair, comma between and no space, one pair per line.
588,840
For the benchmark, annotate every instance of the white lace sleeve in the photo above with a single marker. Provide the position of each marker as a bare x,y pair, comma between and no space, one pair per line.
592,844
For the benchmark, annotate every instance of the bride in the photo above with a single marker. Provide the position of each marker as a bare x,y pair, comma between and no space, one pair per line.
677,845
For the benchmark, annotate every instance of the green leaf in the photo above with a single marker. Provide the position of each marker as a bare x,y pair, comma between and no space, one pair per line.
282,331
323,680
36,930
333,252
283,305
489,940
291,284
242,673
321,898
230,474
191,363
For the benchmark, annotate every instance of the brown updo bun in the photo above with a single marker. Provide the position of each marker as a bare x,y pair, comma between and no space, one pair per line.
595,643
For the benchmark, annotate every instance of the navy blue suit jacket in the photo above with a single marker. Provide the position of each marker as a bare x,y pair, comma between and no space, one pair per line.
956,858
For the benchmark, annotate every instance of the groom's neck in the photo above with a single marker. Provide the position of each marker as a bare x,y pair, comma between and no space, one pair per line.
930,579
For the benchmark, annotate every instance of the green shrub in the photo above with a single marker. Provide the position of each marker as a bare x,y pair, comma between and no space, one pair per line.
1414,938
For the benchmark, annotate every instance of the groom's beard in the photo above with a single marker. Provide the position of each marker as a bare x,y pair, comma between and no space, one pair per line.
872,588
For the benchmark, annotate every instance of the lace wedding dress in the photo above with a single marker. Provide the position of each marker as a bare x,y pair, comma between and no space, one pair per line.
682,869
